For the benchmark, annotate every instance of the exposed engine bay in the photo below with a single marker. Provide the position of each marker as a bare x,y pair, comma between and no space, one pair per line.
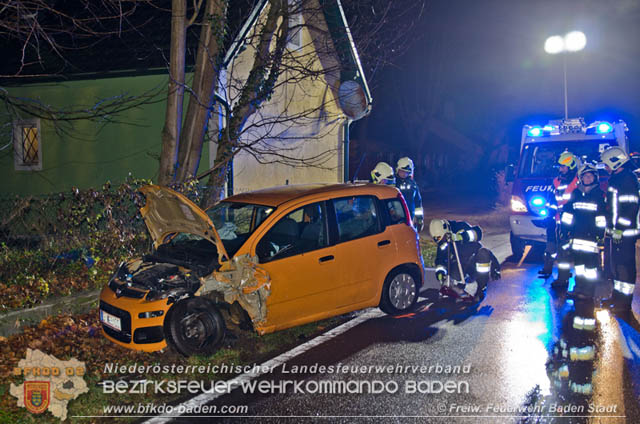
186,266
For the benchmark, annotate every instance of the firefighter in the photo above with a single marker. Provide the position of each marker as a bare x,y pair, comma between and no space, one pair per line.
458,239
623,225
410,191
563,185
582,225
383,174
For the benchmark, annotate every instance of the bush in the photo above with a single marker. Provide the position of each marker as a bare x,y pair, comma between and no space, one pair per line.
70,241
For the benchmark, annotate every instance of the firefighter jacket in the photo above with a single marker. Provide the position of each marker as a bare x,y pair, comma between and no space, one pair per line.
468,244
562,189
411,194
622,203
583,219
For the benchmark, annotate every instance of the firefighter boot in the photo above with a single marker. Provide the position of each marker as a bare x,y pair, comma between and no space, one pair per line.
563,276
547,269
560,282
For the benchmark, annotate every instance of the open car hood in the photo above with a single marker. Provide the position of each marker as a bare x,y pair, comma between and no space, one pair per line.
167,211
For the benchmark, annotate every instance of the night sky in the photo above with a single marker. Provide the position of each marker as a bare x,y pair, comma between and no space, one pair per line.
481,67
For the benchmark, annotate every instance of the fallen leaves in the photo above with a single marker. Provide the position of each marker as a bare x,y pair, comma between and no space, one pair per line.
66,336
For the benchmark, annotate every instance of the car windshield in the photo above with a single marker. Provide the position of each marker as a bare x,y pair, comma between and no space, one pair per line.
235,222
541,159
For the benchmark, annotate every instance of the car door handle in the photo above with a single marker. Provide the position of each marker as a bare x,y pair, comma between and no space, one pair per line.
384,243
326,258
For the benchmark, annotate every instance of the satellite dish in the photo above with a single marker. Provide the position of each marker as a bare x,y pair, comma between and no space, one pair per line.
352,100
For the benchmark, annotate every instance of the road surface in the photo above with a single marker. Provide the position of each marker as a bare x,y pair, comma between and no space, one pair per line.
447,363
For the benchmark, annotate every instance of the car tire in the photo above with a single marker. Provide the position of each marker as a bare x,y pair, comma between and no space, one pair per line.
194,326
517,246
399,292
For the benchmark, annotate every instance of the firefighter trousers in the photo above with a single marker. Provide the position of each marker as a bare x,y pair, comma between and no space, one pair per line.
620,258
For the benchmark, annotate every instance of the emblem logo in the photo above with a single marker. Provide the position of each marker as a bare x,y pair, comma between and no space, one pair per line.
36,396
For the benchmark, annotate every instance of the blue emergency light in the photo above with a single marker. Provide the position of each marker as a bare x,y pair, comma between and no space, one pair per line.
535,132
604,128
537,201
537,206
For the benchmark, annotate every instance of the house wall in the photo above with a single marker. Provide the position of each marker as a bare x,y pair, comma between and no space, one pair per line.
309,121
87,154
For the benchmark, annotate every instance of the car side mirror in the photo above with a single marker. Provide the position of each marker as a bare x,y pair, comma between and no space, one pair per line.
510,173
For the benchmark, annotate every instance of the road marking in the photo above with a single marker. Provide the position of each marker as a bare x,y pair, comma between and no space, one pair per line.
271,364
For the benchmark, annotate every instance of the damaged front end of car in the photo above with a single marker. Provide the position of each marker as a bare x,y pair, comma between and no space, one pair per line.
188,292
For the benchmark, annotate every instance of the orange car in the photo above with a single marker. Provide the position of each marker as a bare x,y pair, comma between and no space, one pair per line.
267,260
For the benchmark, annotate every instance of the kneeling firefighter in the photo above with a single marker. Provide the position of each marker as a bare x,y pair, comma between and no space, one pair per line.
463,265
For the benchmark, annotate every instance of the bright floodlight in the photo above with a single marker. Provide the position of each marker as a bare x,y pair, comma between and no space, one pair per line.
575,41
554,44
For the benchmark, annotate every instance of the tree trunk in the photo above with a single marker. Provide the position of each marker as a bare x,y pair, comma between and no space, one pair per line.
173,117
218,178
204,85
254,91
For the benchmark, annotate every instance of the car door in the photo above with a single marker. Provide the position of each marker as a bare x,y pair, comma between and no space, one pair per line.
365,248
295,252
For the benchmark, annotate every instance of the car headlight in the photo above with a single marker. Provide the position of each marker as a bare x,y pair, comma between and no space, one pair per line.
517,204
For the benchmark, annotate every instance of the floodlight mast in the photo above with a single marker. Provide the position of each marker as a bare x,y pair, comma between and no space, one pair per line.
573,41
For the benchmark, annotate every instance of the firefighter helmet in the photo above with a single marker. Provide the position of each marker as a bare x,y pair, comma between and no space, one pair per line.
586,169
438,228
405,164
383,174
614,157
569,160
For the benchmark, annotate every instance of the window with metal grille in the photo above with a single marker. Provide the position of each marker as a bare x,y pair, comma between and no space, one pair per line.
27,145
30,145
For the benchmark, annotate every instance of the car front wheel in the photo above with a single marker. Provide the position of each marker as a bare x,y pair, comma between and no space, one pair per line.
399,293
194,326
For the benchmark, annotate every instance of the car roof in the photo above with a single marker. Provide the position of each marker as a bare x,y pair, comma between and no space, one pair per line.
276,196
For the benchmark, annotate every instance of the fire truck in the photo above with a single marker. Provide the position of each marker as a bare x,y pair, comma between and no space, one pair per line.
540,148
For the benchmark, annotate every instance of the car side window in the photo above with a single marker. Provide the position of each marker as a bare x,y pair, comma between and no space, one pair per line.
356,217
396,211
300,231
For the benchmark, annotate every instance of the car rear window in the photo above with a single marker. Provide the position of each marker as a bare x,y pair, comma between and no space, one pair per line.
396,211
356,217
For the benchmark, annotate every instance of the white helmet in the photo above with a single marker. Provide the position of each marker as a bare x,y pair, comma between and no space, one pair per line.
614,157
438,228
383,174
405,164
588,168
